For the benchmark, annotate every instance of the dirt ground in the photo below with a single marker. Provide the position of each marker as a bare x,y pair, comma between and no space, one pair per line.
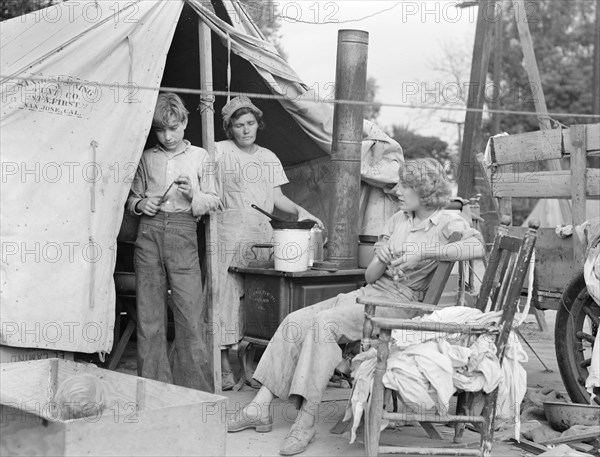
249,443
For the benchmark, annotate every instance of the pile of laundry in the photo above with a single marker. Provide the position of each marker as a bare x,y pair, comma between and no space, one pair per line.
427,368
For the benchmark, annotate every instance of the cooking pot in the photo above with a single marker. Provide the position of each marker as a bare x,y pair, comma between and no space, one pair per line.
366,250
279,224
291,242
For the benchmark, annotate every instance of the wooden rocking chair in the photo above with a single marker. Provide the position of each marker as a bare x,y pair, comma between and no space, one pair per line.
501,286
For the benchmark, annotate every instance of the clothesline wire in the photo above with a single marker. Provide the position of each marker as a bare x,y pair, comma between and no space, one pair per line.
204,92
293,19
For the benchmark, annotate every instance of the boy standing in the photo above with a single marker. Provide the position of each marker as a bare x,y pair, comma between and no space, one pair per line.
170,191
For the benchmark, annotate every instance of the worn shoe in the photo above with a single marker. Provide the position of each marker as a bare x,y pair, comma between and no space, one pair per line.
240,421
297,440
227,380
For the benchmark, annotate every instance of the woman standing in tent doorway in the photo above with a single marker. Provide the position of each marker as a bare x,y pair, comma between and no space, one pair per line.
247,174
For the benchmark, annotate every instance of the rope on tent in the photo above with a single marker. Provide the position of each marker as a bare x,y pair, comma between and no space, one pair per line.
130,47
228,67
229,93
93,145
206,103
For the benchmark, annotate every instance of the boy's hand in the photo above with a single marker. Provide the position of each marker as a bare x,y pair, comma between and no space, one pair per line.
184,185
149,206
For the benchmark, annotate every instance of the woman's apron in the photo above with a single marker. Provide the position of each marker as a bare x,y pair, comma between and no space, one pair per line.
238,230
239,227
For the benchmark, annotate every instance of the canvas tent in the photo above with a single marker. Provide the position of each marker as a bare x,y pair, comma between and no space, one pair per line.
78,83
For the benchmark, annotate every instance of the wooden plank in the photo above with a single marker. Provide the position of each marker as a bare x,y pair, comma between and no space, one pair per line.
432,417
540,145
417,306
543,184
505,208
553,259
529,446
208,143
593,138
577,149
528,147
18,354
436,327
570,438
427,451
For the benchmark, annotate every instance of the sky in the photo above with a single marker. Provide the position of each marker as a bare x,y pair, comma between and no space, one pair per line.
406,42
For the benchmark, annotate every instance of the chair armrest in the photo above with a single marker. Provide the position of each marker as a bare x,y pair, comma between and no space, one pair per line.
388,323
417,306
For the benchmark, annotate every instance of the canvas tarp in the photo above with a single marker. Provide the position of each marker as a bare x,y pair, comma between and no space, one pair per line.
69,150
79,81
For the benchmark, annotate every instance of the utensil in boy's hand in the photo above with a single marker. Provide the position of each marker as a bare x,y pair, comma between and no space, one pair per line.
164,196
184,184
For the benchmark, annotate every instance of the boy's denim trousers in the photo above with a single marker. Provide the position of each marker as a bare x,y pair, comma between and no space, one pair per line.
166,257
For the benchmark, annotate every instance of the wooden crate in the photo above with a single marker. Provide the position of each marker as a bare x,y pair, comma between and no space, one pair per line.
141,416
14,354
513,169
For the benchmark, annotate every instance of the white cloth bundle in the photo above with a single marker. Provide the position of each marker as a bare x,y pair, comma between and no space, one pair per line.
426,368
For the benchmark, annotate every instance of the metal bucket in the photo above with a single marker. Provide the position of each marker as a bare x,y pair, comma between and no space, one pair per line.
291,249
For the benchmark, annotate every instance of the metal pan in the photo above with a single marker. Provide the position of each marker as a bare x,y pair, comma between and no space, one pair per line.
280,224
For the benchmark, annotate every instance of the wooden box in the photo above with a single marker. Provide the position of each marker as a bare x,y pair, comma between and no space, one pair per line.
14,354
270,295
140,416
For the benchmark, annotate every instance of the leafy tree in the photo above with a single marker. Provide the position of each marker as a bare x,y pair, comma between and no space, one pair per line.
563,38
563,35
15,8
371,112
417,146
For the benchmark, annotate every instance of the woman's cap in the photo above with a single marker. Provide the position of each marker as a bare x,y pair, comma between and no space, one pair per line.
235,104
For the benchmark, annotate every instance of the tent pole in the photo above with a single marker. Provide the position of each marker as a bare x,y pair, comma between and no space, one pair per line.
472,130
350,84
212,333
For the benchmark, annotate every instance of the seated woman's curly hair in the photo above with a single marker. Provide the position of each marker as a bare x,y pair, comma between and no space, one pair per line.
428,179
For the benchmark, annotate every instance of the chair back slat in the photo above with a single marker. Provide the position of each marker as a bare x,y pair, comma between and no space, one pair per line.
514,287
489,278
506,270
504,277
440,277
510,243
500,272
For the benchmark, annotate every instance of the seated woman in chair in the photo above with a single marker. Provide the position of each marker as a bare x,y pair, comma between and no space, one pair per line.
304,351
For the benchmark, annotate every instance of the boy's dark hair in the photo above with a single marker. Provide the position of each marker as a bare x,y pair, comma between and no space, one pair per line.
169,111
228,125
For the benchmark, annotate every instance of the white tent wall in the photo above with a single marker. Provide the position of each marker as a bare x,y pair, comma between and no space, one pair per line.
69,150
70,147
